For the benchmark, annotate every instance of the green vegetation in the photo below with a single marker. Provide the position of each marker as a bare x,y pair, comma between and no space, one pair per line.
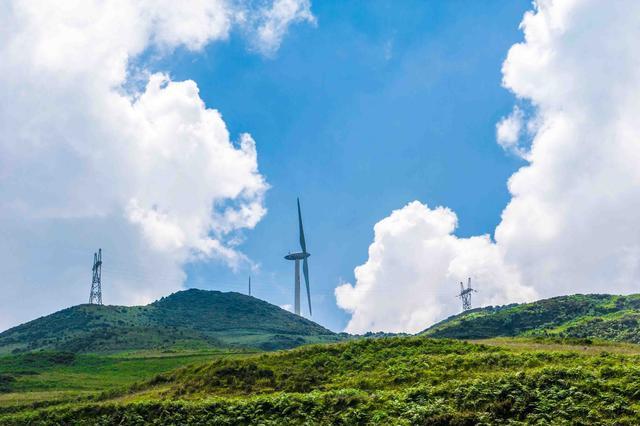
399,380
42,378
191,319
189,362
595,316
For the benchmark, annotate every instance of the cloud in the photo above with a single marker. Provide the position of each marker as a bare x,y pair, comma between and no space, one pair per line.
509,131
413,270
571,224
287,307
89,157
268,24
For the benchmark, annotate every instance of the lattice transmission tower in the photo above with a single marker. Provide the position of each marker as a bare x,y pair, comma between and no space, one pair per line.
95,298
465,295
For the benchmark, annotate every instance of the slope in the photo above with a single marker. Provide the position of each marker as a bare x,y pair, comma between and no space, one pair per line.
186,319
401,380
583,316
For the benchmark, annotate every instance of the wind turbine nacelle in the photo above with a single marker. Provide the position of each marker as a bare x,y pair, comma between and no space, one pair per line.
297,256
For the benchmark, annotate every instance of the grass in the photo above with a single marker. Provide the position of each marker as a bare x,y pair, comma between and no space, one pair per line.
559,344
601,316
187,320
401,380
53,377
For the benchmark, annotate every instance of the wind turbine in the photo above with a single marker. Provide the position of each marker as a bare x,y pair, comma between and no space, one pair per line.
297,257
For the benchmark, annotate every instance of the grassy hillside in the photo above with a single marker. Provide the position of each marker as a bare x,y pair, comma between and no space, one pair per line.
55,375
41,379
401,380
596,316
551,376
187,319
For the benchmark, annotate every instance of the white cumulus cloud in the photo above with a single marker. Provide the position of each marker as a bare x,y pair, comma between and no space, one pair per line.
570,225
509,131
151,174
413,270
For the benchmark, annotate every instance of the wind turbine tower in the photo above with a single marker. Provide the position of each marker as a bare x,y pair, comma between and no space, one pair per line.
465,295
297,257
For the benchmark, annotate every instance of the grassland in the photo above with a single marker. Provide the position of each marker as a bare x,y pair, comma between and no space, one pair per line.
46,378
187,320
611,317
400,380
572,361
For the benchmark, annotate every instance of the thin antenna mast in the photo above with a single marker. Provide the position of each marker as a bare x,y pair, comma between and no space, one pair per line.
95,297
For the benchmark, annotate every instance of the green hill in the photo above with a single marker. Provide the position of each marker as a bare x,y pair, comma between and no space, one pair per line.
395,381
552,375
597,316
186,319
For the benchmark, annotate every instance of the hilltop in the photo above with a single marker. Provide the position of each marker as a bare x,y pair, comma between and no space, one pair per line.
598,316
186,319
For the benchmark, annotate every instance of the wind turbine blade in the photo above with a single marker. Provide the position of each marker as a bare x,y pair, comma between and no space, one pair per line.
305,270
303,244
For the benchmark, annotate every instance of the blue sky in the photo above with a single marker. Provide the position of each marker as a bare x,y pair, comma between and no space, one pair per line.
379,104
374,115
